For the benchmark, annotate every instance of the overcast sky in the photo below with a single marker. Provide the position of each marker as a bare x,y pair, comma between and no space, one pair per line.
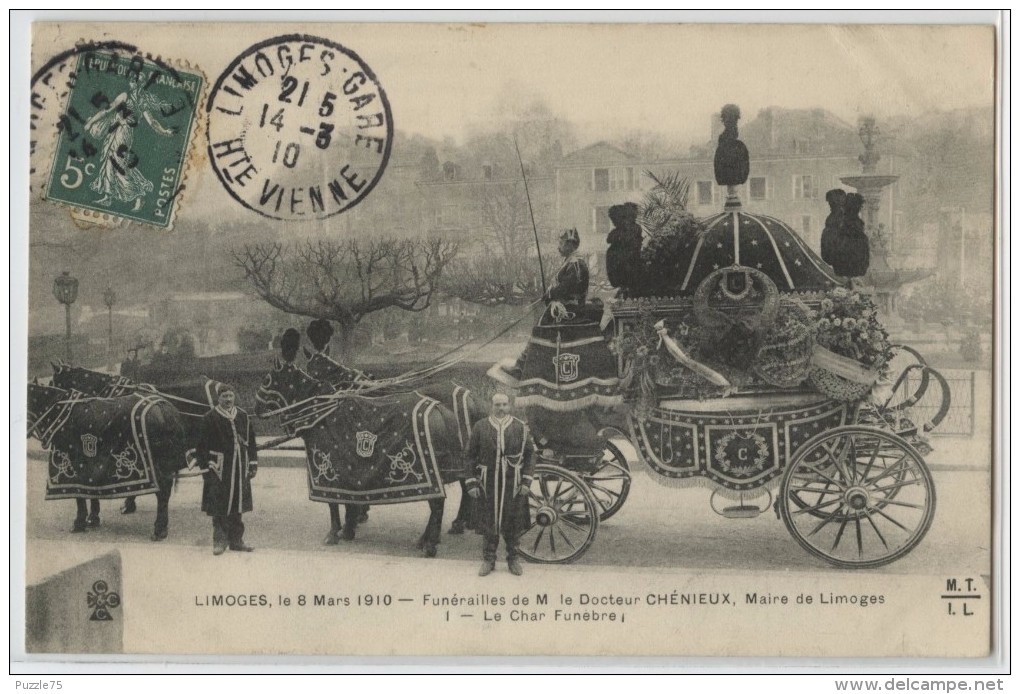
672,78
447,80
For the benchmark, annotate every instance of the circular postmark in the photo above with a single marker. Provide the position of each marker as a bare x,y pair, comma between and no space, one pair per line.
299,128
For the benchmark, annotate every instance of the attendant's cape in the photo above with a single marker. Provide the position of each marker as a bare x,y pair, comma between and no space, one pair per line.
500,460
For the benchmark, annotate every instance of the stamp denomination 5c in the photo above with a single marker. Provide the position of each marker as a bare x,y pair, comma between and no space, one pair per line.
123,137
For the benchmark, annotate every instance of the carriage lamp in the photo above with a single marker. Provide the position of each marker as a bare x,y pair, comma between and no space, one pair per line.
65,289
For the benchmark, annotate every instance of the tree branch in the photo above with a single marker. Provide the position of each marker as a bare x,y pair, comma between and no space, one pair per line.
346,281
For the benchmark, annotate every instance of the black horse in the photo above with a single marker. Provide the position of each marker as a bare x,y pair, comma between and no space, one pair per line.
456,398
289,389
68,423
192,398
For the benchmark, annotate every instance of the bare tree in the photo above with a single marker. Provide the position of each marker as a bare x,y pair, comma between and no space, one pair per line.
504,214
346,281
495,280
506,271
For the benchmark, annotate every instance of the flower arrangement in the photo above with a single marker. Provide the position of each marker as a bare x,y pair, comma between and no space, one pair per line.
852,348
784,359
842,348
637,347
651,367
670,232
848,326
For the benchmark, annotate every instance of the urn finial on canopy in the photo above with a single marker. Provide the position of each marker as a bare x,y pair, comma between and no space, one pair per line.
732,161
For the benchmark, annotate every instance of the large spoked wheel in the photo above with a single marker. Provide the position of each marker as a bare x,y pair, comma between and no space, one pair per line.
610,480
858,497
564,516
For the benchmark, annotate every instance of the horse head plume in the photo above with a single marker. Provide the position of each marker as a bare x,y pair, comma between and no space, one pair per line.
289,344
320,332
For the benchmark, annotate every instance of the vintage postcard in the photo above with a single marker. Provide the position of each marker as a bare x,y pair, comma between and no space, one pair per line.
511,340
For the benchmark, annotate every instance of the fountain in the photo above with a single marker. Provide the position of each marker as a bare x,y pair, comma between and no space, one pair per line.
884,280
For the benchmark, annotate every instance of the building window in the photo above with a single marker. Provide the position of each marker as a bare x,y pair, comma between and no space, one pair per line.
600,220
447,215
487,172
805,224
601,179
804,188
621,179
758,188
705,192
451,171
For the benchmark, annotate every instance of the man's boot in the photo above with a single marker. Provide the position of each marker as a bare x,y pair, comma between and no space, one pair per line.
488,566
515,566
236,536
219,537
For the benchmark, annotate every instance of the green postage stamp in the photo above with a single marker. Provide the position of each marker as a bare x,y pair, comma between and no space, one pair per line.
123,137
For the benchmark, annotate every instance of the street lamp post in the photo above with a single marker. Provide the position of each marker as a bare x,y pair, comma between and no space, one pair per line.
65,289
109,299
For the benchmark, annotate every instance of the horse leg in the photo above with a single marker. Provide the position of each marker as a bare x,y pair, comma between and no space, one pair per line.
429,542
363,514
463,520
333,536
79,518
129,505
160,529
93,520
351,513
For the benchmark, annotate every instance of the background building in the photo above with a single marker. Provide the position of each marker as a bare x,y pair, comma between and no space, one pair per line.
796,156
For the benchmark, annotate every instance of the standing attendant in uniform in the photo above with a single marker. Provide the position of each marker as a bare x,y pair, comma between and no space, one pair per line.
227,453
500,465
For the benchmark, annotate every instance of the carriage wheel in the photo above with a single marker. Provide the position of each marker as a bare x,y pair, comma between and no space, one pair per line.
858,497
610,480
564,517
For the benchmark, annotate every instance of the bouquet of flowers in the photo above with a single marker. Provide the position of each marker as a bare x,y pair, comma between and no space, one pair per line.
784,359
650,367
852,348
671,232
637,347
